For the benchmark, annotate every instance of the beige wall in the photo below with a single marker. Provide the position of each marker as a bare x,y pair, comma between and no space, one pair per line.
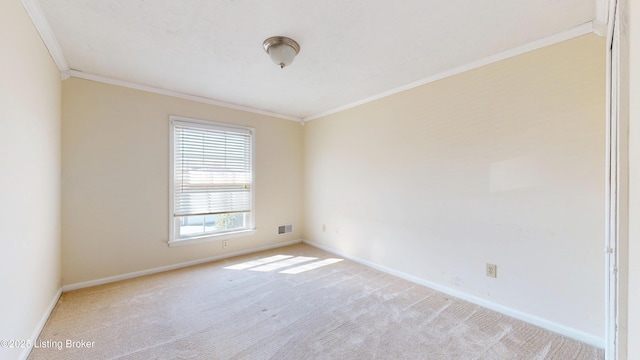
29,179
115,166
503,164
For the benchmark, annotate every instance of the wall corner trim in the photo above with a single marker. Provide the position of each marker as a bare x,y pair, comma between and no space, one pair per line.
531,319
603,9
600,28
41,324
46,34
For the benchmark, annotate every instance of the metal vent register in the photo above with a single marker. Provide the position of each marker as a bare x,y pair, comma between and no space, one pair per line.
283,229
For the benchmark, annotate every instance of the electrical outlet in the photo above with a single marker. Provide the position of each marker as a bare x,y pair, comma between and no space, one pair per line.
324,228
225,244
492,270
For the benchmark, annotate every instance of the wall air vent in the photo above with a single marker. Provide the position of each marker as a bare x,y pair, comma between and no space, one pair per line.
283,229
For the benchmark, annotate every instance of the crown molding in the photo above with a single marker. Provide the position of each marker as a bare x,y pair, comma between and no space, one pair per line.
599,26
603,8
179,95
553,39
46,34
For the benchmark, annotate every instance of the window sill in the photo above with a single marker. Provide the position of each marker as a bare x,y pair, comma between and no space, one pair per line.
208,238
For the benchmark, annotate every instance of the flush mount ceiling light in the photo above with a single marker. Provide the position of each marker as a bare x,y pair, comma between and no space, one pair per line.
281,49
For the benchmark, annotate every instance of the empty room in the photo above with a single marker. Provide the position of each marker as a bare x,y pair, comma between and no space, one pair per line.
319,180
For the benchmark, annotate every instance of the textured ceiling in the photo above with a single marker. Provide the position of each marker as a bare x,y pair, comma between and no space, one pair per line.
350,50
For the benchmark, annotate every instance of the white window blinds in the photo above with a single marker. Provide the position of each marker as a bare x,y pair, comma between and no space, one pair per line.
212,169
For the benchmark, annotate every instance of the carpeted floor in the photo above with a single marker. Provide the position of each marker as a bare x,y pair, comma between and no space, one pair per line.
295,302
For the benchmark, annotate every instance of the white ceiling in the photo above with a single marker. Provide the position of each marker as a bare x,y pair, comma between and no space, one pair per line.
351,50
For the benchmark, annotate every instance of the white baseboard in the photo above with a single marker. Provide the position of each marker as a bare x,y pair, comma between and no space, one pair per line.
41,324
534,320
135,274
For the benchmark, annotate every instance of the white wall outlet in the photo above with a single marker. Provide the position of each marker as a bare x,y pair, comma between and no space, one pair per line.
324,227
225,244
492,270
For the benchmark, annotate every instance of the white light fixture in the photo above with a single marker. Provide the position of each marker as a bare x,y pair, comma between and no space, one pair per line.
282,50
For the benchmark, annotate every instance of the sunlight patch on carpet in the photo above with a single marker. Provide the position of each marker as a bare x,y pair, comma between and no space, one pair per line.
283,263
254,263
311,266
277,262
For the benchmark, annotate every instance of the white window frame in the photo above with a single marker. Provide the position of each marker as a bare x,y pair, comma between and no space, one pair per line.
174,238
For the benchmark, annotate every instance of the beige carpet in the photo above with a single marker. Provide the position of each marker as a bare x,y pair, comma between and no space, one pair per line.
299,307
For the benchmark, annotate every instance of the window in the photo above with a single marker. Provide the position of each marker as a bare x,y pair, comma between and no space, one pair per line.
212,180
